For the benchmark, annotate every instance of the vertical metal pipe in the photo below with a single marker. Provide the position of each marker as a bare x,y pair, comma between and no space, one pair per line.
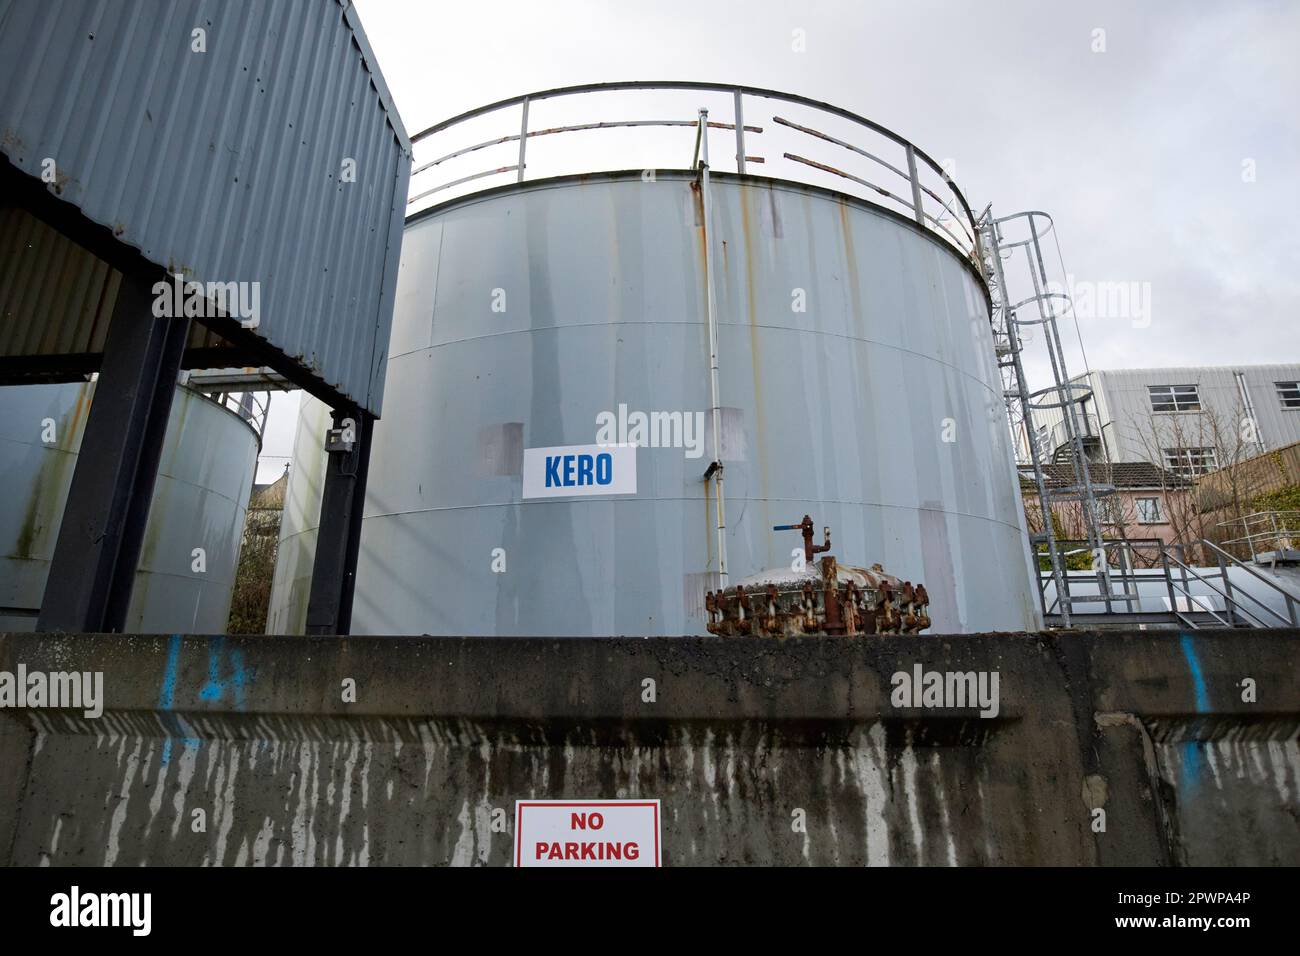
740,133
1248,406
1182,567
523,140
916,185
1229,604
711,305
979,249
1169,583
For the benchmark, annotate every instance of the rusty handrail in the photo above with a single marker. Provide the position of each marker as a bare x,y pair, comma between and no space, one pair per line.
912,198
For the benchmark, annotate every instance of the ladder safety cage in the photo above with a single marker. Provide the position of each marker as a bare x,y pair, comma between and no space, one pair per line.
1040,311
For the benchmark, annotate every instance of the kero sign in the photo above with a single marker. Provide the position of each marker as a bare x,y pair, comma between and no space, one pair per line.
571,471
587,833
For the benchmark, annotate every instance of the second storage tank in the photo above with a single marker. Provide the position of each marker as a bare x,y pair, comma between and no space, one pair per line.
200,499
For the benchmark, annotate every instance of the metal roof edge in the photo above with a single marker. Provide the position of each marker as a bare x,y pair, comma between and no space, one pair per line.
1164,369
353,20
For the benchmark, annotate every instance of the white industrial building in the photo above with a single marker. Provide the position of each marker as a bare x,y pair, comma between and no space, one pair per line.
1190,420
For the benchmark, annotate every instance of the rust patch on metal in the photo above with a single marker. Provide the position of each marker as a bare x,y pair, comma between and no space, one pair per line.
774,214
823,599
851,263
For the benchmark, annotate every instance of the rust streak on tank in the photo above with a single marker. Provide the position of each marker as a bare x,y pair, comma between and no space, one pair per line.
851,263
747,237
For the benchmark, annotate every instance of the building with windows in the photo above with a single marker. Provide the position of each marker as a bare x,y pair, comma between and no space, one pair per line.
1150,504
1190,421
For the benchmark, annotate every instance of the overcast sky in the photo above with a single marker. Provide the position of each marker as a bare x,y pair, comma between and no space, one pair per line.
1168,159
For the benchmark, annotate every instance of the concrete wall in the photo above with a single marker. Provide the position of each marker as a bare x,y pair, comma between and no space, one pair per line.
1151,727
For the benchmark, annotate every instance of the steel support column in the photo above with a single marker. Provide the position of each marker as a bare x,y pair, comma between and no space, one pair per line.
334,572
95,557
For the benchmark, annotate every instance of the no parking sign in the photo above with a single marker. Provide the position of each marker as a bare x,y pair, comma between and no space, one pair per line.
587,833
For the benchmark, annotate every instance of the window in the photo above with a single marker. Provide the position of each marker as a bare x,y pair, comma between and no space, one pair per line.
1288,394
1111,511
1174,398
1190,462
1148,511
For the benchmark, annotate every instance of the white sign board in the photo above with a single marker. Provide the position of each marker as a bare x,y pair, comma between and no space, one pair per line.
587,833
572,471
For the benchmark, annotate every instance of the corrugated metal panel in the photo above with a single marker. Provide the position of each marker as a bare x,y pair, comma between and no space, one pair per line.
224,164
1136,433
56,298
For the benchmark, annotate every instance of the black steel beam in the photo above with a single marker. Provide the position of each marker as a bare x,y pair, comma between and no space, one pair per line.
95,557
75,366
334,571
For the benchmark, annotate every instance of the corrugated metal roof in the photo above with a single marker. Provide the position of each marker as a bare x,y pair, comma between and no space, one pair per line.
56,298
225,164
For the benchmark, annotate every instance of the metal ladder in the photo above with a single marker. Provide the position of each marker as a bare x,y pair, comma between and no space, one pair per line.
1062,394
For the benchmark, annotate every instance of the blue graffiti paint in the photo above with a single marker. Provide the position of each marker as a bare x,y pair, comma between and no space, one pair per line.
214,687
1192,748
167,696
168,693
239,677
167,700
1198,679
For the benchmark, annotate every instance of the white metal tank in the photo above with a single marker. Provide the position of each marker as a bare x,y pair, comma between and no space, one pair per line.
204,479
296,551
858,384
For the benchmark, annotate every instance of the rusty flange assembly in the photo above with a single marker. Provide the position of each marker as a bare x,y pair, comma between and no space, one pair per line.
822,598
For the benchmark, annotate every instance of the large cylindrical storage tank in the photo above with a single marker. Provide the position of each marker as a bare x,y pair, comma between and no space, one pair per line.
200,500
856,369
